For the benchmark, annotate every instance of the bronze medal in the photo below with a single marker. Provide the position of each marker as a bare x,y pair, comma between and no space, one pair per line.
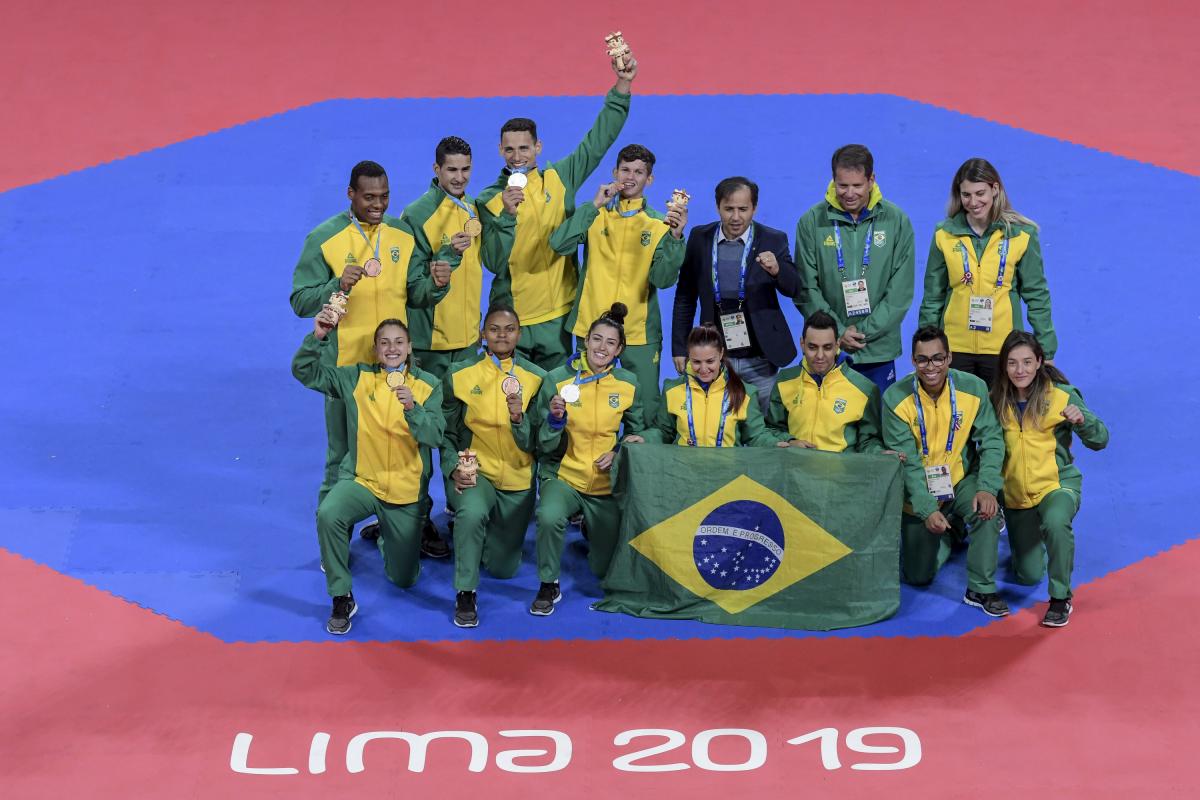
372,267
395,378
510,386
473,227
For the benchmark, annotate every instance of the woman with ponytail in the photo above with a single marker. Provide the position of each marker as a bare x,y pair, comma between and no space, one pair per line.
582,409
709,405
1039,410
985,260
393,417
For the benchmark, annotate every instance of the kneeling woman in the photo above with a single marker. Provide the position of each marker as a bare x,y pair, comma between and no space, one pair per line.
709,405
1039,411
393,417
582,407
485,404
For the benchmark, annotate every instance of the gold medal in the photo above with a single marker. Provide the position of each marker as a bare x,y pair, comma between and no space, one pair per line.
510,386
473,227
518,180
395,378
373,267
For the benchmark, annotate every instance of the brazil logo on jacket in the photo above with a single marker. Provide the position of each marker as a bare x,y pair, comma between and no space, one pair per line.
645,238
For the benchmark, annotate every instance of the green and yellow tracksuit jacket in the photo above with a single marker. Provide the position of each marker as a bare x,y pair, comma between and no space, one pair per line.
947,299
978,441
568,448
476,412
388,446
1038,456
336,244
538,282
889,271
432,219
626,258
836,412
743,426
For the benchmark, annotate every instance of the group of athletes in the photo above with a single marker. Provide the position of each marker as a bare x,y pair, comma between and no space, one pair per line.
527,402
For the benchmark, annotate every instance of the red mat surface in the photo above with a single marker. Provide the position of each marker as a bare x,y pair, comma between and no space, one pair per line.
105,699
88,82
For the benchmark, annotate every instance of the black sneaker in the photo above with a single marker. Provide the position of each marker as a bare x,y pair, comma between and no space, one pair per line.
1058,614
433,545
547,597
992,604
344,608
370,532
465,615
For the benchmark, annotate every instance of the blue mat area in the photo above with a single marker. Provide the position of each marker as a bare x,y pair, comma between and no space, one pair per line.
157,447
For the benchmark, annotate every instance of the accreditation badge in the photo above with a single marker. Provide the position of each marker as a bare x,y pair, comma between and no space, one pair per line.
858,303
736,331
979,313
937,479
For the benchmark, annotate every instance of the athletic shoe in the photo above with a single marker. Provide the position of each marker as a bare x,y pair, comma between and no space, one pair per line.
547,597
992,604
370,532
433,545
465,615
344,608
1058,614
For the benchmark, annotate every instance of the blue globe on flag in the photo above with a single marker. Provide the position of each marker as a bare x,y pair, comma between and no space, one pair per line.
738,546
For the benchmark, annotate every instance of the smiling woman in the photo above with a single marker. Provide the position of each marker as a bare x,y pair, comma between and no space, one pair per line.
984,261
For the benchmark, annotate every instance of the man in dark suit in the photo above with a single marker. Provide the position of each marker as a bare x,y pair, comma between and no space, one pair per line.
752,264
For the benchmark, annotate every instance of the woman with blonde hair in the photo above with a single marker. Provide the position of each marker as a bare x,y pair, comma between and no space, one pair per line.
1039,410
984,261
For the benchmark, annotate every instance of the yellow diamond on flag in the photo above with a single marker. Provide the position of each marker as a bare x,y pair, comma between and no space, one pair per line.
739,545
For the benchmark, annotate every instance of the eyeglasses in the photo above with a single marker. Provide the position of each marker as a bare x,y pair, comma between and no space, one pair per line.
937,361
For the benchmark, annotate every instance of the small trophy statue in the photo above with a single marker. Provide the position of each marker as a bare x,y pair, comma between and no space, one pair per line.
468,465
618,50
679,200
338,301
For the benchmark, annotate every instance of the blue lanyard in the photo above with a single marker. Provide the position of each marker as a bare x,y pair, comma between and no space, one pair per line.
460,204
716,277
692,440
368,238
968,277
615,203
837,237
580,380
921,416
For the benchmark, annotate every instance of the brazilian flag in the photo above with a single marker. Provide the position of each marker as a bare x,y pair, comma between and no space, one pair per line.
784,538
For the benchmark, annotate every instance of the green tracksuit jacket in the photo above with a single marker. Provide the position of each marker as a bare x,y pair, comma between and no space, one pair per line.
889,273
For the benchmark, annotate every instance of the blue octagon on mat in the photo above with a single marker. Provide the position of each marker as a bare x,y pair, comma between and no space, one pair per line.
738,546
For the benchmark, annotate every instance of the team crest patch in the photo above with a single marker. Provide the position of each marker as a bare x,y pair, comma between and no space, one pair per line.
645,238
829,242
395,251
880,238
839,406
477,390
614,400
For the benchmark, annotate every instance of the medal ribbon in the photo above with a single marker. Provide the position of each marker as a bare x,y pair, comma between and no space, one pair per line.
841,261
580,380
460,204
921,416
510,372
367,239
615,205
692,440
968,277
716,278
